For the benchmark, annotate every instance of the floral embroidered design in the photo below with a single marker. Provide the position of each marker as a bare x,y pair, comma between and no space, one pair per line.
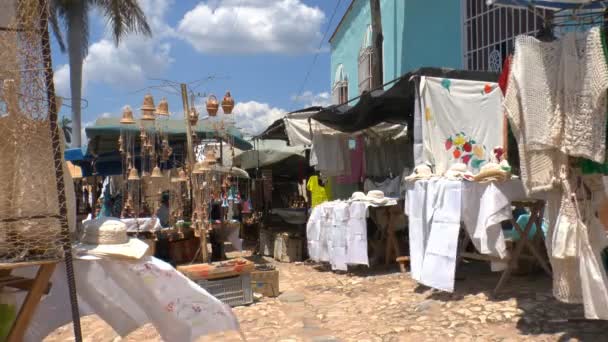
466,150
427,114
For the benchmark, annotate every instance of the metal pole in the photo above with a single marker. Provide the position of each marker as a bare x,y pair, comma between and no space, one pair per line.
58,159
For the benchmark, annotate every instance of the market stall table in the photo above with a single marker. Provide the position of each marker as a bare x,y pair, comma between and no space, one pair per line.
129,294
437,207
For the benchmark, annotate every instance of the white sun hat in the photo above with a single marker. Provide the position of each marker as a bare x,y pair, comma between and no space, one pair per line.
358,196
492,172
457,171
107,238
422,171
376,198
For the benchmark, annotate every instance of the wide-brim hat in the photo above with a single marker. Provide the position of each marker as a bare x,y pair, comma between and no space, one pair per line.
107,237
492,172
358,196
376,197
422,171
457,171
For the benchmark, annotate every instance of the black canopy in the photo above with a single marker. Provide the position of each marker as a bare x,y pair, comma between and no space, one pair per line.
395,105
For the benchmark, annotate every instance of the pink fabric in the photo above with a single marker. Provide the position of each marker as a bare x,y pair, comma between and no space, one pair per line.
357,164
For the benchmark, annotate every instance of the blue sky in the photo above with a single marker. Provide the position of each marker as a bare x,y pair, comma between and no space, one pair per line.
260,50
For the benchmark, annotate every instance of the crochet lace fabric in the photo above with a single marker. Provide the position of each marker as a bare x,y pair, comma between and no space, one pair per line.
583,85
556,104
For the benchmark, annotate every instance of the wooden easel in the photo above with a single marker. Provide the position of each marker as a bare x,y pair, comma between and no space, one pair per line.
36,288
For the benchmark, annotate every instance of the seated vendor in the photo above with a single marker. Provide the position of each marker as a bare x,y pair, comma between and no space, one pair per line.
163,211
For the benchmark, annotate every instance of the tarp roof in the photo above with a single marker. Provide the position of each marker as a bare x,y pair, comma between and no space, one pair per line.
553,4
394,105
276,131
103,135
268,152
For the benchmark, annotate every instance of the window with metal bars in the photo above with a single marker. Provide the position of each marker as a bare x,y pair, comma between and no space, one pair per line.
489,32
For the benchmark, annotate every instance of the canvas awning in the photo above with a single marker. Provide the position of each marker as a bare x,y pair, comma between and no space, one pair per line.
268,152
278,129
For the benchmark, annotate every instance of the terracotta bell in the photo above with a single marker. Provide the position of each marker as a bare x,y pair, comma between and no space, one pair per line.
193,117
156,173
127,116
210,157
148,109
227,103
212,105
133,174
163,108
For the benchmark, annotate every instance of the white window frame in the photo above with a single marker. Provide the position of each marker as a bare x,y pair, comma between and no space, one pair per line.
495,30
339,90
364,62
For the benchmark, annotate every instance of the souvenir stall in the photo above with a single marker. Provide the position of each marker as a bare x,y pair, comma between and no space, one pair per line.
284,169
558,114
463,177
114,276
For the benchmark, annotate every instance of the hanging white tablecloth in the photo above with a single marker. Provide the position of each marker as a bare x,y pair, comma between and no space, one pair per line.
435,209
128,295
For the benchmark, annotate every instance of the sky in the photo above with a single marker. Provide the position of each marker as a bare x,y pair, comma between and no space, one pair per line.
260,50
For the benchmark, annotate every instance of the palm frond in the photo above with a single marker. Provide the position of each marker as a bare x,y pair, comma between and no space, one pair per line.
54,22
124,16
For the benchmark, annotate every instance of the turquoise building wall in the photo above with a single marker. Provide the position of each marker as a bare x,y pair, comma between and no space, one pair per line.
417,33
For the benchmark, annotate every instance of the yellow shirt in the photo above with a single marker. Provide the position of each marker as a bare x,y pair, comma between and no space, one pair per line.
317,192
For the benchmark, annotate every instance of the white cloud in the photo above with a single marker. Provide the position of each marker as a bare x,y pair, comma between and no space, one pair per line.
132,61
253,26
253,117
308,99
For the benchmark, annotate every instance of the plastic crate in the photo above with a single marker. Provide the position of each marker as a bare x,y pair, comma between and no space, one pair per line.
233,291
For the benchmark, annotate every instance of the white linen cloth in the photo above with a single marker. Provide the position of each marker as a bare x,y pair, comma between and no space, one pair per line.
439,265
435,208
356,234
468,114
128,295
336,232
144,224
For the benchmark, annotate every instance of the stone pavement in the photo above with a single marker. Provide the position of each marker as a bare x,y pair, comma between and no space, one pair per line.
382,305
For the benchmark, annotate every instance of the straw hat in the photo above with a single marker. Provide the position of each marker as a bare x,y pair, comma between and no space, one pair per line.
491,172
422,171
107,237
358,196
376,197
457,171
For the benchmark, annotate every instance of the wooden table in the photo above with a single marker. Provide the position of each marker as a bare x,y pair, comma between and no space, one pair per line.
36,288
536,208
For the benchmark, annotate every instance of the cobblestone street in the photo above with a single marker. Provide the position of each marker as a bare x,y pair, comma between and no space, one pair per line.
384,305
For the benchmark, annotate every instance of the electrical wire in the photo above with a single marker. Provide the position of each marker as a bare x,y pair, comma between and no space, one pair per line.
314,60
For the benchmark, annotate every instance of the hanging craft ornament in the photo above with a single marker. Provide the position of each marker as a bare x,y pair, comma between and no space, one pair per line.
163,108
133,174
227,103
156,173
193,117
212,105
148,109
182,176
127,116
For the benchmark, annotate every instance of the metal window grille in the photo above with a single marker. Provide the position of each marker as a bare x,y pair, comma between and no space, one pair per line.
340,92
365,69
489,32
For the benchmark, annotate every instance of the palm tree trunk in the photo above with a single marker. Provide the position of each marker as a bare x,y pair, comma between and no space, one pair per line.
76,18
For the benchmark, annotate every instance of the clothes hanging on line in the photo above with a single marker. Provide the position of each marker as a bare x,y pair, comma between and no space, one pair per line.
330,155
318,192
356,151
387,156
390,186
